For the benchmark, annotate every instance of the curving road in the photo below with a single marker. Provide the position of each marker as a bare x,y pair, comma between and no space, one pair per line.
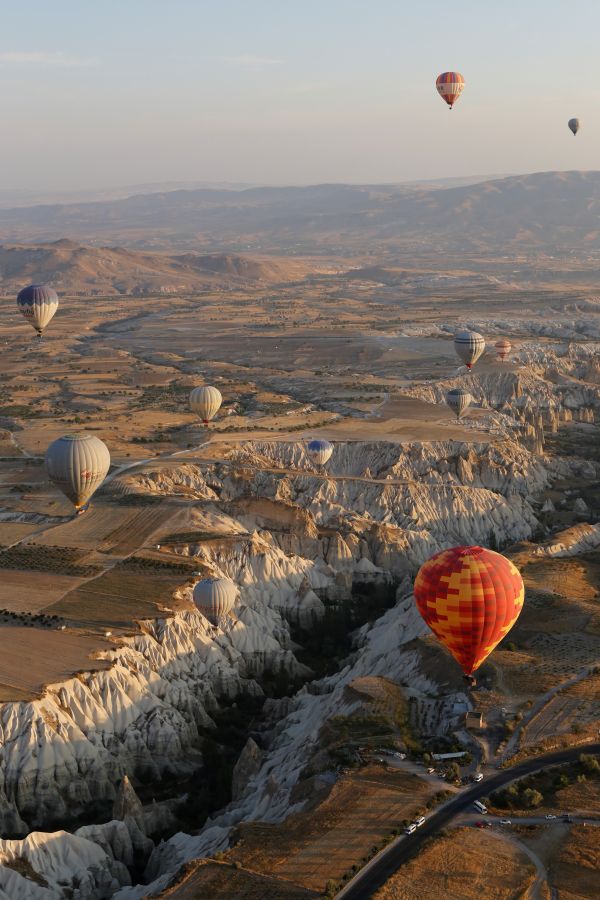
383,866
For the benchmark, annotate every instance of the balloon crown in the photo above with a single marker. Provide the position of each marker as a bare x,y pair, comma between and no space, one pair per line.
472,551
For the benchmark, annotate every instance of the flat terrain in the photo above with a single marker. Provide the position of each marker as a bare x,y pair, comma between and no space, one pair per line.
466,865
322,844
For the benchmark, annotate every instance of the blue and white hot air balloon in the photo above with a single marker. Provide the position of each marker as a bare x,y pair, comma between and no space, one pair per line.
319,451
37,304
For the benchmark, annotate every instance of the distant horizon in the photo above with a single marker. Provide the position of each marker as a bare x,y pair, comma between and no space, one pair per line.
268,93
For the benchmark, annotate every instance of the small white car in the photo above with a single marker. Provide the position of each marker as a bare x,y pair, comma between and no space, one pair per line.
505,822
400,755
410,829
420,821
478,777
430,771
550,816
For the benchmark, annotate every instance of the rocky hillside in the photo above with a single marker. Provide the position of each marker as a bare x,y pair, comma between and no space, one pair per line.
72,268
547,210
294,544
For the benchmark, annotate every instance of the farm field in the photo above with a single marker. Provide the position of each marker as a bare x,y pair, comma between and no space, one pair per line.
219,880
31,658
322,844
466,865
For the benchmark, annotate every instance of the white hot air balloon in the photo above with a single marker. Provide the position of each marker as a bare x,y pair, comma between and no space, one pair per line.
214,598
319,451
502,348
458,400
37,304
77,464
206,402
469,346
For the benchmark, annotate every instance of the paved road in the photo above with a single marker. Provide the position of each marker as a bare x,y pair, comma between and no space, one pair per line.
383,866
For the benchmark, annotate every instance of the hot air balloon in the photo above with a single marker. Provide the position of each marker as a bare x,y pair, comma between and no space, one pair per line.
469,345
573,125
450,86
214,598
470,597
77,464
206,401
319,451
459,400
37,303
502,348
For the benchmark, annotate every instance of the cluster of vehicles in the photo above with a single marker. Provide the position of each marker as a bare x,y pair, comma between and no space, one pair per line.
410,829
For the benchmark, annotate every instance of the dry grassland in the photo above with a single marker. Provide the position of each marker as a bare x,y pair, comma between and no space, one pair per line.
575,874
219,880
33,657
322,844
467,865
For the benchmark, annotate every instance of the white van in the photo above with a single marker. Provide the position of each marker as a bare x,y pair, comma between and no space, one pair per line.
410,829
420,821
480,807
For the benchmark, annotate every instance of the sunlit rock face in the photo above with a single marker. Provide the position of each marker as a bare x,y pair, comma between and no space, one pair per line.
293,542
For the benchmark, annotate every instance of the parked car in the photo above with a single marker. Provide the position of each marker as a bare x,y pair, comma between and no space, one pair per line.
480,824
550,816
410,829
505,822
478,777
430,771
420,821
400,755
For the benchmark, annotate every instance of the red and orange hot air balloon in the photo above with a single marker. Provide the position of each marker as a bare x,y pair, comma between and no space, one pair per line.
470,597
450,86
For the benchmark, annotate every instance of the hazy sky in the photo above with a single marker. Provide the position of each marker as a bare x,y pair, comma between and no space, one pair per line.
112,92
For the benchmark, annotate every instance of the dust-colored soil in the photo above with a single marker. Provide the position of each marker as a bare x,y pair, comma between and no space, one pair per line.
220,880
575,873
32,591
313,847
33,657
466,865
120,597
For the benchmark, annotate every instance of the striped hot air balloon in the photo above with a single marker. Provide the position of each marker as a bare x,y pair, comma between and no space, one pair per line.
77,464
450,86
470,597
37,304
469,346
206,402
214,598
319,451
502,348
458,400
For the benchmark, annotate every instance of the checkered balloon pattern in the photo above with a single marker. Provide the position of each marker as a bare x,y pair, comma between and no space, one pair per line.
470,597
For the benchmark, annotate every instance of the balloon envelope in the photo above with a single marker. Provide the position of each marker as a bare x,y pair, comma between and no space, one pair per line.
458,400
37,304
215,597
77,464
450,86
470,597
469,346
206,402
319,451
574,125
503,348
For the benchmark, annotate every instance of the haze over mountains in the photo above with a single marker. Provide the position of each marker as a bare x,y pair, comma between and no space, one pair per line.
552,211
